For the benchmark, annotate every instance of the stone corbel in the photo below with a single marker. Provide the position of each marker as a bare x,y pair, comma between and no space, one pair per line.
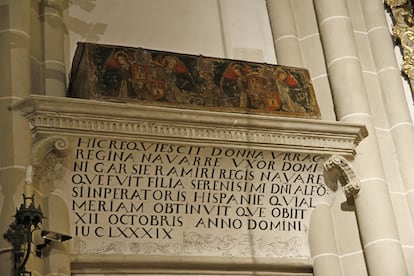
338,170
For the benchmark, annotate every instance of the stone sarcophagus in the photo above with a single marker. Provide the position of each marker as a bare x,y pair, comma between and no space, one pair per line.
149,77
216,184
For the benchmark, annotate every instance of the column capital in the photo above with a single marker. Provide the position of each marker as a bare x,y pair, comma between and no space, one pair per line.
338,169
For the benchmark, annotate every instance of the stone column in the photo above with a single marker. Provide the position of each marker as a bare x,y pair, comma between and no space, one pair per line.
48,155
282,21
36,47
395,104
376,219
14,135
297,43
53,36
322,243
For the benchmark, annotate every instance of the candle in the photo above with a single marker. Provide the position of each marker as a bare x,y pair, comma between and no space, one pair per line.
28,174
28,188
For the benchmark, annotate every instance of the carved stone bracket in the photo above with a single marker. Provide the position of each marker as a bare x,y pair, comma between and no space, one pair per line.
338,169
48,156
57,144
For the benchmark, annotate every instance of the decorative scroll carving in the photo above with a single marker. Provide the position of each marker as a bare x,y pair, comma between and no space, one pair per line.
338,169
403,32
58,145
195,243
48,157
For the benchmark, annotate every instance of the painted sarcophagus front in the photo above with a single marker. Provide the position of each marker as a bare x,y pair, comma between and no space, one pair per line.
151,77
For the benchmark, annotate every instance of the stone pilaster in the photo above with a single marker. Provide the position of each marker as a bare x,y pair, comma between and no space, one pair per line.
36,50
53,36
15,138
48,156
324,251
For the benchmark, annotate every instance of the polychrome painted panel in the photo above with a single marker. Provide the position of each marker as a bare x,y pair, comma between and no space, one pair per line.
145,76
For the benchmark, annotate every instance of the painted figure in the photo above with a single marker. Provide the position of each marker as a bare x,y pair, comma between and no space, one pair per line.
234,84
120,64
209,92
286,83
176,76
125,73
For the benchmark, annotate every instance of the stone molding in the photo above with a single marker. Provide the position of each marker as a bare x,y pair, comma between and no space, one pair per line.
69,116
132,264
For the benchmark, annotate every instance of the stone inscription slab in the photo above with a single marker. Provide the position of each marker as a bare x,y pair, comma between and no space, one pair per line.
148,197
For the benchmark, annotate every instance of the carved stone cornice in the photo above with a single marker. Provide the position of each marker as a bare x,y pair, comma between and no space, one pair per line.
338,170
87,117
403,32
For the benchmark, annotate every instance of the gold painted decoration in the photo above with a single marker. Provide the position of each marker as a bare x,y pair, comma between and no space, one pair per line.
403,32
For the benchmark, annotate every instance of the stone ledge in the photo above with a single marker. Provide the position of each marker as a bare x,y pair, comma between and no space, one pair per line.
190,265
89,117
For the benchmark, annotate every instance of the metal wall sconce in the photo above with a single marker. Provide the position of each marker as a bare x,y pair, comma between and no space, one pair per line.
49,237
20,232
